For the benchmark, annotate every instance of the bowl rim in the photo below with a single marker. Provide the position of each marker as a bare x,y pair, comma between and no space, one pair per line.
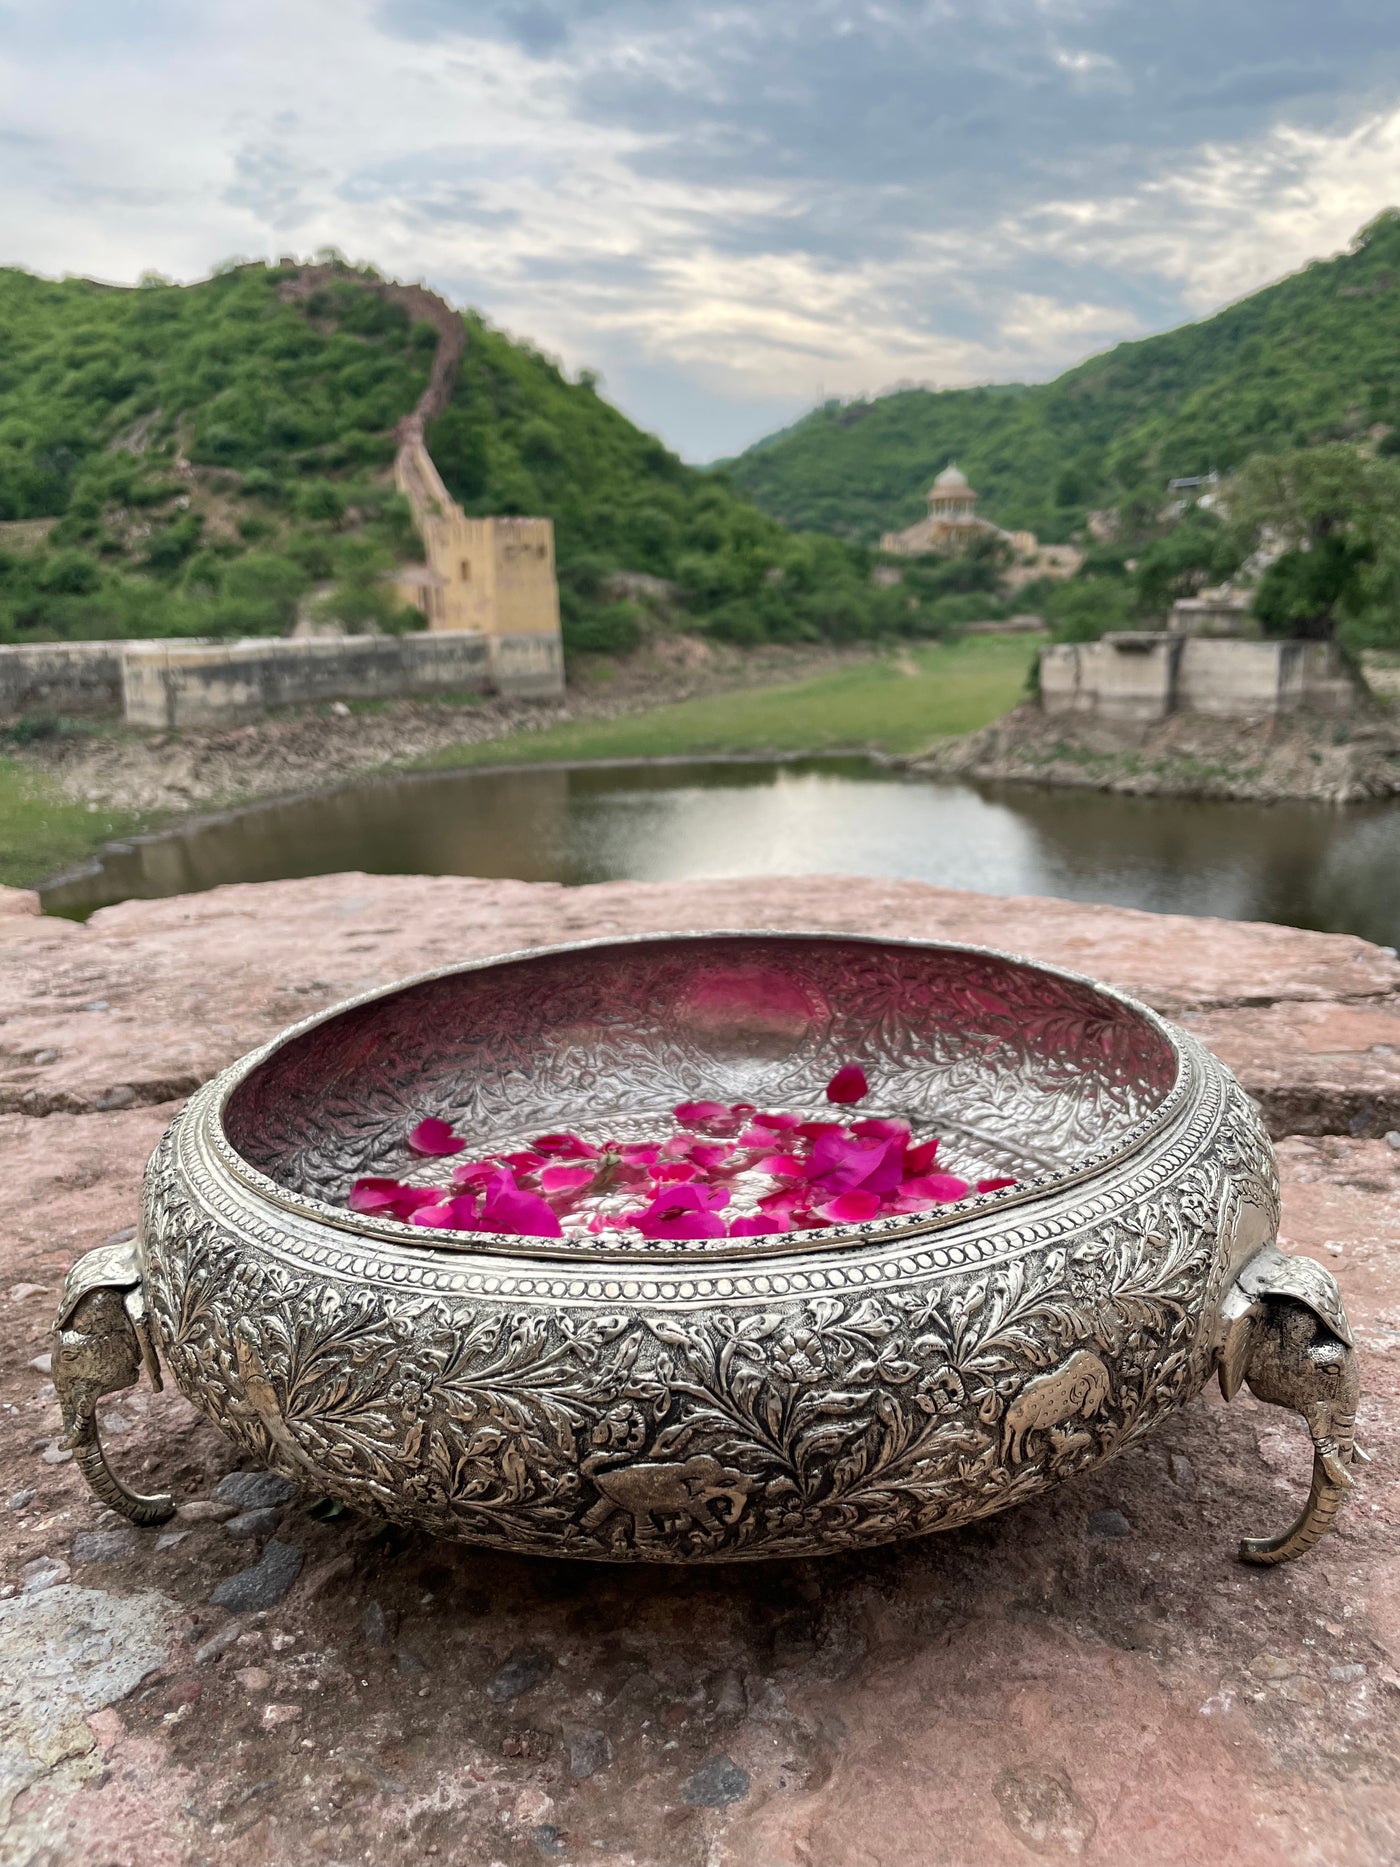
428,1247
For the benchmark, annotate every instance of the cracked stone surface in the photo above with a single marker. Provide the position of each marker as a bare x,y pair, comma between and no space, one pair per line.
1090,1678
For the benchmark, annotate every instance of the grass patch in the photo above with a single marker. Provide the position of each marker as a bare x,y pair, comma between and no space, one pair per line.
42,831
898,703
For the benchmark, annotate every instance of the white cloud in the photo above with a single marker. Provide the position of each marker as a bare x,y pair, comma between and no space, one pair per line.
612,228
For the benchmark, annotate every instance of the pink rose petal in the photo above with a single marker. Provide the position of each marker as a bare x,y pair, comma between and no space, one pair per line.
701,1113
438,1218
782,1166
776,1120
851,1208
708,1155
993,1186
374,1195
433,1136
566,1179
874,1128
848,1084
509,1208
753,1225
569,1146
641,1154
684,1212
919,1159
942,1188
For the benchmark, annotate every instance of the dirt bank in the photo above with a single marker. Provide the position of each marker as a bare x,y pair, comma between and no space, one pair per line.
1266,761
317,748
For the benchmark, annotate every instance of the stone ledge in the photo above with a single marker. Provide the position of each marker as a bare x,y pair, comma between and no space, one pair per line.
1089,1677
124,1009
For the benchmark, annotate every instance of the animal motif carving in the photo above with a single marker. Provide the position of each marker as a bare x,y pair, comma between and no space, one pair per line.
1076,1390
101,1344
1287,1335
663,1495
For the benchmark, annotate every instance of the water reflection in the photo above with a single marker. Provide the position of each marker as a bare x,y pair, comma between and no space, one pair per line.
1312,866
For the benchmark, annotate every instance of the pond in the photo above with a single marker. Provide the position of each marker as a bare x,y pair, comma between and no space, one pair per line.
1309,865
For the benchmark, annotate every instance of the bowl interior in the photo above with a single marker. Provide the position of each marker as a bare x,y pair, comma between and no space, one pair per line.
1020,1070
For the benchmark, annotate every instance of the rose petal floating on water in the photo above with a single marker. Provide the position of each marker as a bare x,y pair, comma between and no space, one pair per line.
708,1155
942,1188
434,1136
510,1208
700,1113
437,1218
920,1158
782,1166
372,1195
993,1186
568,1146
848,1084
876,1128
684,1212
563,1179
851,1208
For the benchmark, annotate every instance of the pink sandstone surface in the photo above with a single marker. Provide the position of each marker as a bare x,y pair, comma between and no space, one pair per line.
1090,1678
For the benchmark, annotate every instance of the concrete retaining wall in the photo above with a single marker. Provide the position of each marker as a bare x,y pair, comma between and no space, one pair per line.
1144,677
526,667
174,685
60,677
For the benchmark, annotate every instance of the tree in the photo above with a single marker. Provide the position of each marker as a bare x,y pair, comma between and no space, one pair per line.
1336,514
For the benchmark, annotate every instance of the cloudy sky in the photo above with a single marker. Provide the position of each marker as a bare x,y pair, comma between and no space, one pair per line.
729,209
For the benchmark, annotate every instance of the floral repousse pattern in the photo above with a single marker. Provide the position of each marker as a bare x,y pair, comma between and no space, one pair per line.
875,1385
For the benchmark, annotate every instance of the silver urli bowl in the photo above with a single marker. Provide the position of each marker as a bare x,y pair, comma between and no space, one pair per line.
789,1395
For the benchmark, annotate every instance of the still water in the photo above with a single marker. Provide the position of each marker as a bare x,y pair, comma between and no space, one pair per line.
1308,865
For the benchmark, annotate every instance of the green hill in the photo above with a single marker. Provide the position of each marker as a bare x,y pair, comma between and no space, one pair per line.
203,459
1313,358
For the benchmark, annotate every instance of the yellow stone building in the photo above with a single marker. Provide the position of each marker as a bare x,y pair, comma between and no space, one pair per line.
495,576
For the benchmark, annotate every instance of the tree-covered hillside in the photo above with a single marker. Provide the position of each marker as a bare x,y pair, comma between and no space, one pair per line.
1314,358
206,459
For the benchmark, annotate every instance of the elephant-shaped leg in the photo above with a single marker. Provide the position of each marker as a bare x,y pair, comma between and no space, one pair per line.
1286,1334
101,1344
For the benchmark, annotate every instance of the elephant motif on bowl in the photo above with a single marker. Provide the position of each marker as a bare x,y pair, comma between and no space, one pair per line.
617,1397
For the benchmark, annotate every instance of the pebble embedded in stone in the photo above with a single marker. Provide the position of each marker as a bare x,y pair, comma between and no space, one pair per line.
379,1625
171,1539
42,1364
217,1643
56,1454
251,1523
275,1715
119,1096
522,1672
253,1678
1181,1471
43,1572
253,1490
20,1500
1109,1523
1393,1138
21,1293
104,1545
204,1510
716,1784
262,1586
589,1752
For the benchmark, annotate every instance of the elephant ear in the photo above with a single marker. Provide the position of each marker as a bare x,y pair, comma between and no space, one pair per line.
108,1267
1272,1273
1272,1276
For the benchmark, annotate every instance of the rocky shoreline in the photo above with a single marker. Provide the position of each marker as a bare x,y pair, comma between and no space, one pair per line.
319,748
1239,760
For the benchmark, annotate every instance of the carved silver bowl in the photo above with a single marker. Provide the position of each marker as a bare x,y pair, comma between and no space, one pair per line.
788,1395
